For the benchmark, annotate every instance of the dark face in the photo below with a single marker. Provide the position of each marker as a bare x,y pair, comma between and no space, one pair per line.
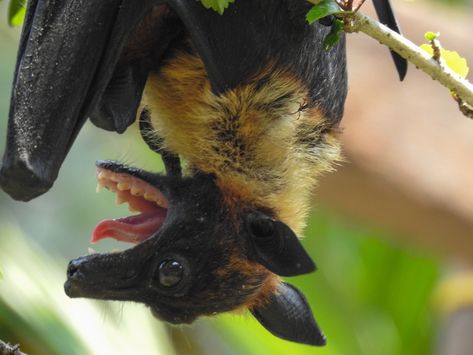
192,255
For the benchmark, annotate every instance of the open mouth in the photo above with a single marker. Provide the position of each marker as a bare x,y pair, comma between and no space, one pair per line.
141,197
113,275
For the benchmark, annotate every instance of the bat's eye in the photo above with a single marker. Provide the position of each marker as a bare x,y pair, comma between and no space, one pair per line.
262,228
171,273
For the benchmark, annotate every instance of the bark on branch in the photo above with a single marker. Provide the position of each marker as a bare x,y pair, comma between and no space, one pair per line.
461,89
359,22
7,349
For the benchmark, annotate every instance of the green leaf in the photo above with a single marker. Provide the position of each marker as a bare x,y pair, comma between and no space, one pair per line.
16,12
453,60
323,9
430,36
217,5
334,35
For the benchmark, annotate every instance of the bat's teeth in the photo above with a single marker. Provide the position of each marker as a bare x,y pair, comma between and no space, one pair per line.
91,251
136,191
149,197
162,202
159,202
115,250
101,175
119,200
98,188
132,209
122,186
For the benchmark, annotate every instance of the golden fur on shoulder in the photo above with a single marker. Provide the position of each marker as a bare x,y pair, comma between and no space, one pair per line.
264,147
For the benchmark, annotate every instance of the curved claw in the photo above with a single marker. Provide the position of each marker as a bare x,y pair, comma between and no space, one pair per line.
386,16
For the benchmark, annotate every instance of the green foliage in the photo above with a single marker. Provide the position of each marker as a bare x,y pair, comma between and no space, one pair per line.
452,59
334,35
16,12
217,5
430,36
323,9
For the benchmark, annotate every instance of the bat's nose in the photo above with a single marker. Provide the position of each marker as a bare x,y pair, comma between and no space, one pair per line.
73,268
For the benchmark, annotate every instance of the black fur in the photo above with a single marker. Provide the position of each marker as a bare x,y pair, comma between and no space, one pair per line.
269,33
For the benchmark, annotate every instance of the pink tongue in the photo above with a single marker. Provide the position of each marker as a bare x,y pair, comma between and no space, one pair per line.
133,229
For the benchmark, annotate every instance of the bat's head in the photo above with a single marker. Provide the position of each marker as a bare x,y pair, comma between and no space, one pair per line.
195,257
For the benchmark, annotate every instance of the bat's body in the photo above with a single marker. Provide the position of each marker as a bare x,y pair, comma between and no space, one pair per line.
253,144
262,144
250,101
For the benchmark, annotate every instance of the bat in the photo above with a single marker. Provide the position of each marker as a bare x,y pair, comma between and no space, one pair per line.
244,109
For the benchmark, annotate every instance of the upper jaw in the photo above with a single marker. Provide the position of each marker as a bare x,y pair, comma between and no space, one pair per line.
161,182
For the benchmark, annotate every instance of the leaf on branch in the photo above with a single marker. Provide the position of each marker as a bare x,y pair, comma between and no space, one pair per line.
453,60
16,12
323,9
217,5
430,36
334,35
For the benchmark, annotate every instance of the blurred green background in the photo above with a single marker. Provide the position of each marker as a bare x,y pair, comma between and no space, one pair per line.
371,295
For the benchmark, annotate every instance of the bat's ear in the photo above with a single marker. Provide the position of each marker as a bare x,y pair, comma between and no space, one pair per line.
288,316
274,245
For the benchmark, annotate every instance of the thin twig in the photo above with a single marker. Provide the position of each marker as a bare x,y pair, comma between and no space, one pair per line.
462,88
463,107
7,349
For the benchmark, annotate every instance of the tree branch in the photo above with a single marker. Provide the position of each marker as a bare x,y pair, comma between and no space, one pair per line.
462,88
7,349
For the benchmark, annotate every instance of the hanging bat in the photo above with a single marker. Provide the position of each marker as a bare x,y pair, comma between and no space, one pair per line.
250,101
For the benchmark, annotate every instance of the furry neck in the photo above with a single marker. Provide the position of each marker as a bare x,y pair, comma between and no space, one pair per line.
261,141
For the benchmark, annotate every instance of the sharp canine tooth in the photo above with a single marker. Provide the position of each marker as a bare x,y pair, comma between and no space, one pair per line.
119,200
123,186
98,188
101,175
91,251
161,202
149,197
131,209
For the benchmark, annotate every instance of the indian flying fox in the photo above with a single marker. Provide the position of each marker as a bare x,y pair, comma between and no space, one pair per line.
244,109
